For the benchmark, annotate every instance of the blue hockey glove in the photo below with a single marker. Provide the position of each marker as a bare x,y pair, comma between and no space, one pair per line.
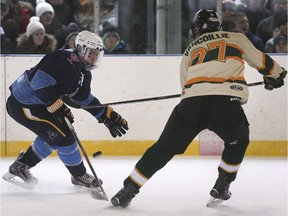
114,122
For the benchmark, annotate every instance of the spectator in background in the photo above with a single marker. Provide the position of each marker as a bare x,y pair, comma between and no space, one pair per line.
280,44
66,11
72,31
8,23
7,46
20,11
267,26
255,11
241,23
228,10
35,41
113,44
281,30
51,24
25,11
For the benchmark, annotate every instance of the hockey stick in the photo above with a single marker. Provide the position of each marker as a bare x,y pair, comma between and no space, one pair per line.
151,98
101,195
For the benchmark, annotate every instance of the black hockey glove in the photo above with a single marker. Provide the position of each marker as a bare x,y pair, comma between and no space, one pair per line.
59,110
271,83
114,122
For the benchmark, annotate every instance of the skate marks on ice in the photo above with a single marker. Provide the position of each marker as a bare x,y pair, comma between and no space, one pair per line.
180,188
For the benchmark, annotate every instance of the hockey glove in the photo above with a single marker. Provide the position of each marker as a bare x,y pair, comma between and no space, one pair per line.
271,83
59,110
114,122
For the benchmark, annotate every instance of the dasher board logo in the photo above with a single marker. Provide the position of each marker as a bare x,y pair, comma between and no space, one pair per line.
236,87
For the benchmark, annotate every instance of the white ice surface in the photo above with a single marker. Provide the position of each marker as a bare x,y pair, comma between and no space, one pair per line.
181,188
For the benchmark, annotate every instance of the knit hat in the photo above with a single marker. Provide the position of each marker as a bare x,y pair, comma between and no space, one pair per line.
229,5
33,26
109,29
279,38
42,7
72,29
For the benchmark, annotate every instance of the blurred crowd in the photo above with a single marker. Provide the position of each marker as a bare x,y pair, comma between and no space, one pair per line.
263,22
39,26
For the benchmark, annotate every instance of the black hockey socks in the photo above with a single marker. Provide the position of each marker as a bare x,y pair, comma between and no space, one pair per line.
29,158
78,170
153,160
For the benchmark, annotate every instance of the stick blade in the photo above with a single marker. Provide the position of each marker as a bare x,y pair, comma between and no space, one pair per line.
99,194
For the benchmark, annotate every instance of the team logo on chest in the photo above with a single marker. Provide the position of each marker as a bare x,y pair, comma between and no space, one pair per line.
81,80
79,85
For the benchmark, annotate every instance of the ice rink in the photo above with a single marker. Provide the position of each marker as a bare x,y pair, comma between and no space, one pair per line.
181,188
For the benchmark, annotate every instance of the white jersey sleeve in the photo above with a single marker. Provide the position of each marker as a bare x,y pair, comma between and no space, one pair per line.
213,64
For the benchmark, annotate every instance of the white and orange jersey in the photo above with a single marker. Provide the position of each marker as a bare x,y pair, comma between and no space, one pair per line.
213,64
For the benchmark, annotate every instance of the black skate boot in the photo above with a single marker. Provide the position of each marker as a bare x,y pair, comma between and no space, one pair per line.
124,197
19,170
88,181
220,192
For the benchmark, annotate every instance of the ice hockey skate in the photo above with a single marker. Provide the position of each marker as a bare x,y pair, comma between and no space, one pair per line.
20,175
219,193
124,197
89,182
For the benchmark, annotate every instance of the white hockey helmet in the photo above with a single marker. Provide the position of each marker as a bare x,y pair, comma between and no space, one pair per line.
90,47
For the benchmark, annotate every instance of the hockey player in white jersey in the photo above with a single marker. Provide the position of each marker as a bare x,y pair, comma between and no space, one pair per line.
213,90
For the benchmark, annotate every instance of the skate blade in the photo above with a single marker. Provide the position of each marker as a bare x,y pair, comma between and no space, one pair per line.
97,193
214,202
14,180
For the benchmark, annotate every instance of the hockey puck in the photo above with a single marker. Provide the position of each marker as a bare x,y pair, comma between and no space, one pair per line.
97,154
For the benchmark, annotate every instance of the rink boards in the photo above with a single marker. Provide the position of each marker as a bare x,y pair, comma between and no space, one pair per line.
121,78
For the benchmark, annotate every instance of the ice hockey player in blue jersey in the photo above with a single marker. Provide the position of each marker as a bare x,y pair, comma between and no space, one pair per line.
36,102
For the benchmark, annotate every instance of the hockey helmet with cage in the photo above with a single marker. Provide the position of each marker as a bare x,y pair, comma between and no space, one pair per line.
204,21
90,47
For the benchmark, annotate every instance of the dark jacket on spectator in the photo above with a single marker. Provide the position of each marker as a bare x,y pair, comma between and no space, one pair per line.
58,30
7,46
257,42
11,29
255,15
66,12
268,25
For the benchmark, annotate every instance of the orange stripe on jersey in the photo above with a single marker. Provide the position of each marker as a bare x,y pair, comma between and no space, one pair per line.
263,63
236,58
214,80
271,70
267,66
